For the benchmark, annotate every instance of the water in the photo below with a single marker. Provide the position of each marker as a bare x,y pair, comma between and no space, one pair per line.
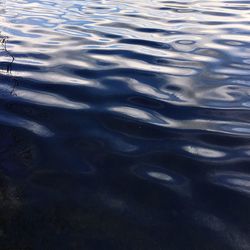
125,125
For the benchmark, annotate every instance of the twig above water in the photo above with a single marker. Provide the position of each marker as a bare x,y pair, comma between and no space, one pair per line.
3,42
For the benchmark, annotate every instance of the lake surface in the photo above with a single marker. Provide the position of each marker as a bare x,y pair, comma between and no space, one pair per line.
125,125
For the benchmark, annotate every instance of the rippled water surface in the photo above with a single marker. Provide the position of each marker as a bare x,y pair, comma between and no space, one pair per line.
125,125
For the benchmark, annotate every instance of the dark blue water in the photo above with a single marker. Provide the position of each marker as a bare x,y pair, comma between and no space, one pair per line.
125,125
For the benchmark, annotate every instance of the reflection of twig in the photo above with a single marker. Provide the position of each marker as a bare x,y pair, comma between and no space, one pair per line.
10,64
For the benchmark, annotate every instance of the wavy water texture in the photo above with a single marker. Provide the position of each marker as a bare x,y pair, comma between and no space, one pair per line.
125,124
